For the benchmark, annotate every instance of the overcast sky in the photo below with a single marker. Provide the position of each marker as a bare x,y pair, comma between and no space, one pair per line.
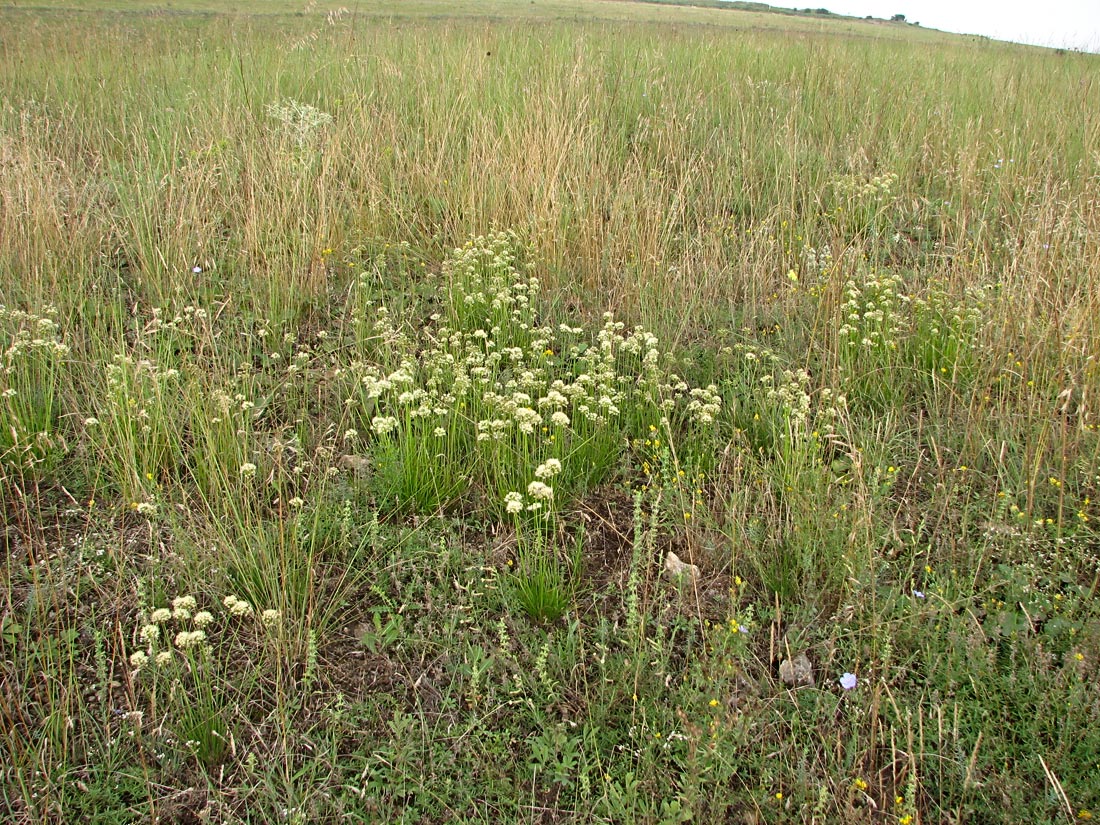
1063,23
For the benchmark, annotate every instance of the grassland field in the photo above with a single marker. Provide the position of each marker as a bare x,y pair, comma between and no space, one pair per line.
544,412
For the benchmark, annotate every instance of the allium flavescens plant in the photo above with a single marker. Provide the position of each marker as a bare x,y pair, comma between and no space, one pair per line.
486,390
860,204
942,344
32,358
888,336
543,576
137,429
180,669
874,319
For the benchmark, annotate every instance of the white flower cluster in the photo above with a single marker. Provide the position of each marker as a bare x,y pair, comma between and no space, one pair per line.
548,469
484,372
182,607
150,633
187,639
705,404
539,495
381,425
237,607
154,634
872,312
559,419
540,492
793,395
874,189
29,333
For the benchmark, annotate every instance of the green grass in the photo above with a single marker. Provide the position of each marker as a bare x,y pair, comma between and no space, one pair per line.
360,371
708,13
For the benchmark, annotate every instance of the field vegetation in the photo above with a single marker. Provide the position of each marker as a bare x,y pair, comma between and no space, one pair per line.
553,412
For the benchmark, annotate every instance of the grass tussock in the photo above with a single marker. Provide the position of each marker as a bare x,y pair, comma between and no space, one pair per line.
460,420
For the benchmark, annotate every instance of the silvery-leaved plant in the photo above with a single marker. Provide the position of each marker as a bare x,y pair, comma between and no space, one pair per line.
300,121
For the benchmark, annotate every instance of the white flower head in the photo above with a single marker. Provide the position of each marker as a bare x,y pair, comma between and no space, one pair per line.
190,638
184,603
138,659
513,502
203,618
160,615
238,607
383,424
270,617
538,490
149,634
248,469
548,469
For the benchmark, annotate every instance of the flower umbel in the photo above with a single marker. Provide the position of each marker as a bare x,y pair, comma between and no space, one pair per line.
538,490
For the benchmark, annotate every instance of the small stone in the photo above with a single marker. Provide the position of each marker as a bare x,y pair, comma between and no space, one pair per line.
677,568
797,672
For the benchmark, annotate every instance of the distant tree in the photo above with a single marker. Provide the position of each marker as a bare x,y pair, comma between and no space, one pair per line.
898,18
